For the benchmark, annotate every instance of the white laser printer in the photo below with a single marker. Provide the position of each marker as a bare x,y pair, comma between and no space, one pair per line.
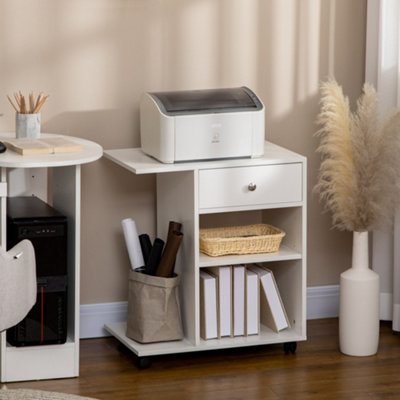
209,124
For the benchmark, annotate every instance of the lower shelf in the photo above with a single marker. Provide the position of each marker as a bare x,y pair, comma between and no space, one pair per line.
266,336
40,362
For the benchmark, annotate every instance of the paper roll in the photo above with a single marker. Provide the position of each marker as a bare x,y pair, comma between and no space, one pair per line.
174,226
145,245
167,262
132,243
154,256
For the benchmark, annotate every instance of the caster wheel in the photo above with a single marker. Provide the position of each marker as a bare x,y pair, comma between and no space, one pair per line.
143,362
290,347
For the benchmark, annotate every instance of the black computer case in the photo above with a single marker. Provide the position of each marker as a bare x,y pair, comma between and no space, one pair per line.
33,219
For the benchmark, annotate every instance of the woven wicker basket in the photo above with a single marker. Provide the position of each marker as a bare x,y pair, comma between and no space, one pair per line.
248,239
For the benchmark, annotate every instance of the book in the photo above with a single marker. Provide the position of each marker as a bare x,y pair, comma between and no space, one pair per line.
272,310
252,324
238,295
224,290
208,306
53,145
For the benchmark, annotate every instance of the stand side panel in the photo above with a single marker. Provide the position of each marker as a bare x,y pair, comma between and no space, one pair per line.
67,200
177,201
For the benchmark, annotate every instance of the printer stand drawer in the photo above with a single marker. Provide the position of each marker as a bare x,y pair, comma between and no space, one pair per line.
249,186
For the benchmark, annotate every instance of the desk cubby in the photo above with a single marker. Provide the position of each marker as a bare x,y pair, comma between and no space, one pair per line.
56,179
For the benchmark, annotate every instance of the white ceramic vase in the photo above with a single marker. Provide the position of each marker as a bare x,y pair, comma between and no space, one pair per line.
359,303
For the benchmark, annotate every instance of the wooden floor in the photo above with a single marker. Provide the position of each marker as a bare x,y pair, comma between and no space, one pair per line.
317,371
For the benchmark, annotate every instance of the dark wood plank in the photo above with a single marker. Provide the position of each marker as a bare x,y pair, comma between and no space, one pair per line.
317,371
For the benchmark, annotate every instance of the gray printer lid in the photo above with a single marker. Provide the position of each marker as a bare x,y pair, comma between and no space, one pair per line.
207,101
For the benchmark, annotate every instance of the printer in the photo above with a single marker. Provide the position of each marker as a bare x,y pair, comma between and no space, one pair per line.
190,125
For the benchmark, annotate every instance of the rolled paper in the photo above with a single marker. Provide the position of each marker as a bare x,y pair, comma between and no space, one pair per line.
132,243
167,262
145,245
174,226
154,256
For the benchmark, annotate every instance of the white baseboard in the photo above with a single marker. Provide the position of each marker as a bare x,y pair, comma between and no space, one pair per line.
322,302
94,316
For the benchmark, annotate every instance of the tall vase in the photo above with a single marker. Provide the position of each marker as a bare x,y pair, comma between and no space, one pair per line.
359,303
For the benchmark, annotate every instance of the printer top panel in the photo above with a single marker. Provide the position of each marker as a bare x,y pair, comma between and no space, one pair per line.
207,101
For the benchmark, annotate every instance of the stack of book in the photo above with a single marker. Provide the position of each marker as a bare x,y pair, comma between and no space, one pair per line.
235,299
50,145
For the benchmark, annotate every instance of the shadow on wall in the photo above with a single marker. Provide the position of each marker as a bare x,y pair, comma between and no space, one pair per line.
99,126
109,194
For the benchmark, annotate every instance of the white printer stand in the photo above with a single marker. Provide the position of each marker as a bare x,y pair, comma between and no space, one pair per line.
216,193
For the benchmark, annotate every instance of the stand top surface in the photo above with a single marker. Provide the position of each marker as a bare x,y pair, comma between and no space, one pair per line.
10,159
136,161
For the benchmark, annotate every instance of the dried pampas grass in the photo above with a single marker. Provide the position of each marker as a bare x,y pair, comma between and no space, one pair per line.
359,178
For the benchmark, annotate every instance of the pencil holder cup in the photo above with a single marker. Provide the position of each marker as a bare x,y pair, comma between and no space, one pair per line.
27,125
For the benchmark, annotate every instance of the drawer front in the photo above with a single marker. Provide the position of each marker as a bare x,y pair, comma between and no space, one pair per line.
249,186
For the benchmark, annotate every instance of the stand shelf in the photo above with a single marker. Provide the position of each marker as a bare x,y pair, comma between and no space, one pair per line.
284,253
117,329
27,176
215,193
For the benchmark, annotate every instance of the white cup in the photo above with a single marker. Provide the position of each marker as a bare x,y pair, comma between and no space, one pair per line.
27,125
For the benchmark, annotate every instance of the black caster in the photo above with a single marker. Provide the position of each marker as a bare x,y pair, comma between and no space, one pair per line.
143,362
290,347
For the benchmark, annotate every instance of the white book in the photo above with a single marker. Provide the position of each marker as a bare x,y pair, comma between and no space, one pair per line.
272,310
208,306
238,296
252,303
224,291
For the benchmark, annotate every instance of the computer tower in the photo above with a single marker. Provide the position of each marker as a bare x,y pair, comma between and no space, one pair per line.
33,219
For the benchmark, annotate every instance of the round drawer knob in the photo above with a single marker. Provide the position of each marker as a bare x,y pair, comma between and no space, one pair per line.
252,187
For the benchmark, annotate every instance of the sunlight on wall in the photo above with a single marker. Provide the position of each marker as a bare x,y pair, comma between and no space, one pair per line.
153,51
192,32
90,53
208,43
239,42
282,52
96,57
388,74
308,50
295,51
331,38
87,56
68,52
24,45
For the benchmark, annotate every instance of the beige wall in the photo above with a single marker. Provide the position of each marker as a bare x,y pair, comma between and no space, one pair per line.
96,57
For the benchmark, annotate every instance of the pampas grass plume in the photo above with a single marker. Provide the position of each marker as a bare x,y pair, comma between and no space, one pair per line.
359,177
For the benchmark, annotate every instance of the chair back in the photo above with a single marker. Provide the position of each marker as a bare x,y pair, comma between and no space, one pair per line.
18,287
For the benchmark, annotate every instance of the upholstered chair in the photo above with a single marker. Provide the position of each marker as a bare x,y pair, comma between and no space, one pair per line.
17,283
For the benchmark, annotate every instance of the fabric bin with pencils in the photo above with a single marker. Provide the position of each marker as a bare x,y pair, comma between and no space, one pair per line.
154,313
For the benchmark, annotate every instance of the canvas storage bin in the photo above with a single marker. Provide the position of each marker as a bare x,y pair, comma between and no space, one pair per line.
154,313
